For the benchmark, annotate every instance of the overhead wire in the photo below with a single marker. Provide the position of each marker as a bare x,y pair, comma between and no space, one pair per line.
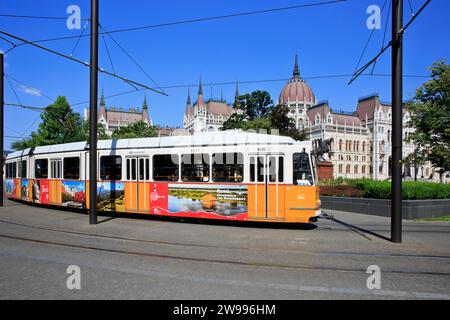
368,40
385,33
14,91
219,17
35,17
187,86
109,55
25,85
130,57
128,81
79,38
401,32
411,8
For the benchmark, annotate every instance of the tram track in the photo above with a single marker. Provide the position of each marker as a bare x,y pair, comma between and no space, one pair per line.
183,244
217,261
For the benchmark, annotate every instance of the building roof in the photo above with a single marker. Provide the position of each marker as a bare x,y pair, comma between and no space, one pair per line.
296,90
216,107
123,116
346,119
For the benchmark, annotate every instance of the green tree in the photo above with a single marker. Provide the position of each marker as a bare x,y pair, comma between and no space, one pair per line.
430,117
139,129
101,131
258,124
60,124
416,159
235,121
257,112
255,105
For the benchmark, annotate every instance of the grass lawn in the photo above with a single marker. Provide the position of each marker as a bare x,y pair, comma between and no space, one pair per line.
444,218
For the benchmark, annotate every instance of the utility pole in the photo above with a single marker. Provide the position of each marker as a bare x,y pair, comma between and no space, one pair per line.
397,115
2,76
93,114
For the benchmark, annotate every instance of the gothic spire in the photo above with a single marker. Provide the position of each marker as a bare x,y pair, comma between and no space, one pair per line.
188,103
200,94
200,90
145,105
236,95
102,99
296,72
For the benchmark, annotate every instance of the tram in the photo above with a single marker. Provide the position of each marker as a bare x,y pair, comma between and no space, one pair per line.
229,175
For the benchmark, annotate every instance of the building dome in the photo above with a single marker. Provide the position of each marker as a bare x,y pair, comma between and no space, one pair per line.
297,90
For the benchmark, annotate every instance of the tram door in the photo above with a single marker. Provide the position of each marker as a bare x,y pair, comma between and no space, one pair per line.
137,192
267,176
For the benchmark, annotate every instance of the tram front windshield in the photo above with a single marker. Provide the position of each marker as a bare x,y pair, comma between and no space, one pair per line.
301,170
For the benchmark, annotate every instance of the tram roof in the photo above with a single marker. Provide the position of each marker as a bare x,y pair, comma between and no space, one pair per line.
219,138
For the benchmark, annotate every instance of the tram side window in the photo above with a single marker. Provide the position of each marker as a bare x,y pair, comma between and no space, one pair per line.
144,166
11,170
110,168
252,169
227,167
280,169
56,169
72,168
260,169
257,174
22,169
195,167
41,168
301,169
165,167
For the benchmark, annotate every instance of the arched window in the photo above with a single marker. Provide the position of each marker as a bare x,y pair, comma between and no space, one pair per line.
364,146
356,169
340,168
347,169
329,119
317,119
382,146
340,145
363,169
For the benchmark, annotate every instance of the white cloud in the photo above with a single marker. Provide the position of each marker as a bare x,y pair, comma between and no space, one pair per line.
31,91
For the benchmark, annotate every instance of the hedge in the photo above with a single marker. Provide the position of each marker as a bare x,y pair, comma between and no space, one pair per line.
375,189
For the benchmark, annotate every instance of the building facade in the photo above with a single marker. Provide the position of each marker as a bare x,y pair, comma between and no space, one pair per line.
115,118
206,115
362,142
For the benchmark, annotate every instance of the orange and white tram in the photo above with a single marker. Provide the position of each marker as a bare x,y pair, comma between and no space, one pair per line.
226,175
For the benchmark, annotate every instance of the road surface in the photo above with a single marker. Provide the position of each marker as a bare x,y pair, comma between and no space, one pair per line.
135,258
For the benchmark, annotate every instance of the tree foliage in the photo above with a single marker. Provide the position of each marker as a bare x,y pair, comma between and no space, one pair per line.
139,129
60,124
256,111
430,117
101,131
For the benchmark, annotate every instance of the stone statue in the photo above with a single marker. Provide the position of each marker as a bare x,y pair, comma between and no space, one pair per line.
321,147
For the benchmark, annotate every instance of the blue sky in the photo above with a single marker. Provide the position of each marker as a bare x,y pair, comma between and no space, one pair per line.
329,40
